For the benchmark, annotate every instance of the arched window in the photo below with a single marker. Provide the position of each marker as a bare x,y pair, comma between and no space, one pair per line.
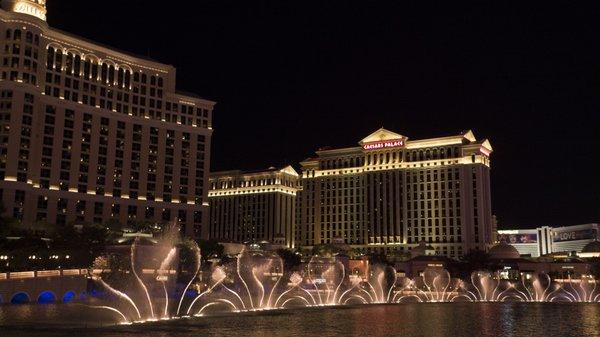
111,75
58,60
87,69
160,82
8,33
50,58
104,72
77,66
29,37
127,79
153,80
17,35
95,68
69,63
121,77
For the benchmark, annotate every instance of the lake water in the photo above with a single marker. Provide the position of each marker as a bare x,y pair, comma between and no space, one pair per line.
423,319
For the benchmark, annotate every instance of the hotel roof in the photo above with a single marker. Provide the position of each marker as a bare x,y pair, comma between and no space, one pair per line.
382,134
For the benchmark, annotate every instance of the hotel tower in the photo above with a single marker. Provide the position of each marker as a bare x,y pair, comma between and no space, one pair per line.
89,133
254,206
390,192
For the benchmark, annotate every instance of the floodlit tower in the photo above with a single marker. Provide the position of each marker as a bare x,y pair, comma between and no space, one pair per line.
35,8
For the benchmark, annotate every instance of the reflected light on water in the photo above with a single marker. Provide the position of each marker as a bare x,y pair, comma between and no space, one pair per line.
425,319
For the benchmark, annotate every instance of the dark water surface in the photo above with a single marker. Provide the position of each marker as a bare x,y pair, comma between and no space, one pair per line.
426,319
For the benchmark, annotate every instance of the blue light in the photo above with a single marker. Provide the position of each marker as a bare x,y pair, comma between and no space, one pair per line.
47,297
68,297
20,298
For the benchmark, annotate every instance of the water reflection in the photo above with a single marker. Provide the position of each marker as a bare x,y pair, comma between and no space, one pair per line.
430,319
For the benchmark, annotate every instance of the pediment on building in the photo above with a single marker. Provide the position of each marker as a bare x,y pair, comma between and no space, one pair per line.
469,135
289,170
381,135
486,143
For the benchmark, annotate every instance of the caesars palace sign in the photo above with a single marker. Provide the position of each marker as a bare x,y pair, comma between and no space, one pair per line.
384,144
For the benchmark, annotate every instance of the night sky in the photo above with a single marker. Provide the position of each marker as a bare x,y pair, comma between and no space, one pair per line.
292,76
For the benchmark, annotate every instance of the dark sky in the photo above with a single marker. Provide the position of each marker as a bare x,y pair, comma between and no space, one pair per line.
292,76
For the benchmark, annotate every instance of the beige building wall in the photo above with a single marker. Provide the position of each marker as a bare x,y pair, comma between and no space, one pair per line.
89,133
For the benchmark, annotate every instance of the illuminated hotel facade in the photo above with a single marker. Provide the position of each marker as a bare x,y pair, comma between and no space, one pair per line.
551,240
390,193
254,206
89,133
387,194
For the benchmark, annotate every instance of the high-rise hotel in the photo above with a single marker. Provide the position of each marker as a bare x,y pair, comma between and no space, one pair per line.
390,193
387,194
254,206
89,133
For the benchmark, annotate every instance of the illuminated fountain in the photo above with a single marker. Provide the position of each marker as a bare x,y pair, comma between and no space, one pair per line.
584,290
536,288
218,278
381,283
148,282
486,287
436,285
377,287
325,276
260,273
404,290
295,293
354,292
256,281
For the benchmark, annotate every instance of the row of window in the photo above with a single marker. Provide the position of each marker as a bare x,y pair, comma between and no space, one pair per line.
116,88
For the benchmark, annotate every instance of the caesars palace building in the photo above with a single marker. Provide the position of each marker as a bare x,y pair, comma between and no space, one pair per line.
387,194
89,133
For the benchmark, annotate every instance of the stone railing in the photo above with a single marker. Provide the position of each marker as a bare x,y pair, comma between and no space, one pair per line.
21,275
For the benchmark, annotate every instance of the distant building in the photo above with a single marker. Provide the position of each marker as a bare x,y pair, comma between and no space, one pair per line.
253,206
89,133
547,240
511,265
592,249
389,193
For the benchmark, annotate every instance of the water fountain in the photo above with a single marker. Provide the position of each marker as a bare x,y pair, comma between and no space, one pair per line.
149,281
325,276
486,287
584,290
256,281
